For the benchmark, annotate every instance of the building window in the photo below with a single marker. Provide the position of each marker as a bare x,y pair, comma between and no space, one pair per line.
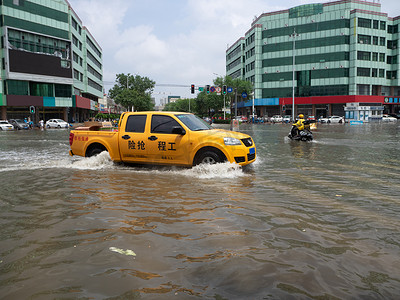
392,44
382,57
374,72
383,25
391,75
364,72
362,55
393,28
364,39
382,41
74,24
391,60
381,73
19,2
375,24
375,56
375,40
366,23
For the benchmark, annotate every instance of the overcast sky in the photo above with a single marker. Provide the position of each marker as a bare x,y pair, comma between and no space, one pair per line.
177,42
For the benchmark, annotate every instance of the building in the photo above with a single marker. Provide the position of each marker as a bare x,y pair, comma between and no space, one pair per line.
49,62
326,55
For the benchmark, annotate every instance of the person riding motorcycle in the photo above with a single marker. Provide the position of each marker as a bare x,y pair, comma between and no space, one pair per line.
299,125
301,130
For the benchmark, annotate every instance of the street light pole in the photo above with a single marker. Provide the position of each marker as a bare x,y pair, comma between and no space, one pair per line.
293,35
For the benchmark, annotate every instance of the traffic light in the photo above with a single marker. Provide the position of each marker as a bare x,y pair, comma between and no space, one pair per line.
32,109
224,89
208,88
283,108
192,89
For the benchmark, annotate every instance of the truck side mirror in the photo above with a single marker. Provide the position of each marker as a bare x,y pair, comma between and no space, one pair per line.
178,130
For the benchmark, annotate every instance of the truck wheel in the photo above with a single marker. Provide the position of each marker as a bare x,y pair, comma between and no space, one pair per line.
95,151
208,157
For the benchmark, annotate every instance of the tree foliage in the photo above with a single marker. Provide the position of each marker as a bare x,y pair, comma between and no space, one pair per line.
208,104
180,105
133,91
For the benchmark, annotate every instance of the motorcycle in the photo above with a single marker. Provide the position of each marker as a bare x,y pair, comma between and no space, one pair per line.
303,134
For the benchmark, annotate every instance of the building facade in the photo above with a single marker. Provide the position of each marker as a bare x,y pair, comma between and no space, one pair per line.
49,61
326,55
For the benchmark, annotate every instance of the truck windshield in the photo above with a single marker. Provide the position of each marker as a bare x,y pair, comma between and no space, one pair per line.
193,122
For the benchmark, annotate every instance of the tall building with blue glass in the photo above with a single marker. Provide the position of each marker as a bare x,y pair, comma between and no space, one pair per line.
49,60
326,55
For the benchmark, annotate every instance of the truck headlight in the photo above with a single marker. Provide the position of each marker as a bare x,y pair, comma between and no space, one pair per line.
230,141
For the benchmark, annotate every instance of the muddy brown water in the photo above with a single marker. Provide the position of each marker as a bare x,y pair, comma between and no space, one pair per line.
313,220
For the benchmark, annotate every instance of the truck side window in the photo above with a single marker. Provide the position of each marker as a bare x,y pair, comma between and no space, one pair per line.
162,124
136,123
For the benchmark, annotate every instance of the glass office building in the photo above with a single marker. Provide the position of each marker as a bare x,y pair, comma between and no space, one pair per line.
326,54
49,61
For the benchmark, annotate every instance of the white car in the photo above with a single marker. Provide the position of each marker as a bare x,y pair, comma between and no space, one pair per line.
4,125
276,119
387,118
332,119
287,119
56,123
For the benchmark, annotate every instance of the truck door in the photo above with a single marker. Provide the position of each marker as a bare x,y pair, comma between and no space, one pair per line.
133,139
165,145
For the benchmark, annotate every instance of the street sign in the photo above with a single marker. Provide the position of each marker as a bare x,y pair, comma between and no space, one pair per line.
230,90
244,95
212,89
201,88
218,89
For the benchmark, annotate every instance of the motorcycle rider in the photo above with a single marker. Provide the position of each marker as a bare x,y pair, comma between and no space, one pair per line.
299,125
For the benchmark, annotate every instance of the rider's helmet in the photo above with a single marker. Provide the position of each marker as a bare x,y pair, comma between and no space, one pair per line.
301,116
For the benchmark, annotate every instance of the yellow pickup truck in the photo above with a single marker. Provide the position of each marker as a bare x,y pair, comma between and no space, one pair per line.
164,138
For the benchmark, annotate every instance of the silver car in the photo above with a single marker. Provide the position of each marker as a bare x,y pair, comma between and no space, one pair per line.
56,123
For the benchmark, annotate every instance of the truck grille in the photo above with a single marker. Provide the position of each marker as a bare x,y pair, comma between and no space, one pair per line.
240,159
247,142
251,156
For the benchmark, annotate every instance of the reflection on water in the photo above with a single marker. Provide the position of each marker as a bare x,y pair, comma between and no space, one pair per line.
305,221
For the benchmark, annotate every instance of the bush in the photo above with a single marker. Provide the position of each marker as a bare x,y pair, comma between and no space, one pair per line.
218,121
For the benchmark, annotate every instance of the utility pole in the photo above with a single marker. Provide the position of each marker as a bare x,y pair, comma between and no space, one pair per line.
293,35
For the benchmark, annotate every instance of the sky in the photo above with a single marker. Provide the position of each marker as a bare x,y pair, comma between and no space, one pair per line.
175,42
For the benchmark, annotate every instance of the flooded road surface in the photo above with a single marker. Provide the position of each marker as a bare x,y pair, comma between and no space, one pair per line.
313,220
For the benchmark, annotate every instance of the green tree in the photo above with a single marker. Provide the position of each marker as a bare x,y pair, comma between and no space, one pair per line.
180,105
133,92
205,103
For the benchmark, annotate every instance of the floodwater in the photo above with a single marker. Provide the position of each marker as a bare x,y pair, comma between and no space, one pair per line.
313,220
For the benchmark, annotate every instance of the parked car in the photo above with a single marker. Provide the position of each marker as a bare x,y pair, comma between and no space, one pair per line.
332,119
394,115
4,125
56,123
387,118
287,119
19,124
276,119
311,118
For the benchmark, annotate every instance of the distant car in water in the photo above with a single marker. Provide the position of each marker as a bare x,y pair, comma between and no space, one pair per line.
56,123
332,119
19,124
276,119
394,115
387,118
4,125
